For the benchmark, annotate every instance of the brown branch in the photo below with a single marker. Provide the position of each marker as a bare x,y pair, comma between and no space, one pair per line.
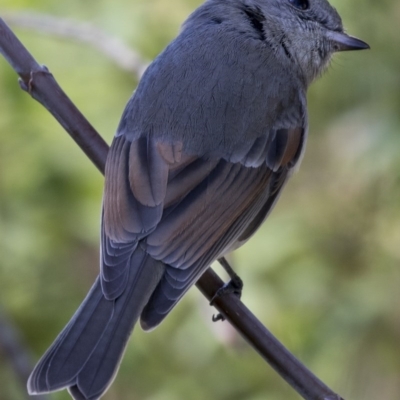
42,86
38,81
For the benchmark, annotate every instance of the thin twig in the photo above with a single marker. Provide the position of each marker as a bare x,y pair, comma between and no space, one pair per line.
42,86
14,350
114,48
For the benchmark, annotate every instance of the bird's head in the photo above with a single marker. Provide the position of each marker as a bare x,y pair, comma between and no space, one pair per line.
305,32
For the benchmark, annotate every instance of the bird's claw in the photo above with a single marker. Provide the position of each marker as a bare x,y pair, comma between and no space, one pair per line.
234,286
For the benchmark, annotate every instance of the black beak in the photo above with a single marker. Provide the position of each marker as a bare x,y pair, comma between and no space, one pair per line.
343,42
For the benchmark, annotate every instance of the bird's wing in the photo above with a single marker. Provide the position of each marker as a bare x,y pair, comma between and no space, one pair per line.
185,209
134,196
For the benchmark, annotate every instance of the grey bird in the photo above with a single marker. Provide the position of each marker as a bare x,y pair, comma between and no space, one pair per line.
206,143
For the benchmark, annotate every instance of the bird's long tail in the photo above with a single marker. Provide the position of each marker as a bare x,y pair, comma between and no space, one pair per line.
85,356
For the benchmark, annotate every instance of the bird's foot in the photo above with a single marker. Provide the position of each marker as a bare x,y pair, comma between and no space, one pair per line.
234,286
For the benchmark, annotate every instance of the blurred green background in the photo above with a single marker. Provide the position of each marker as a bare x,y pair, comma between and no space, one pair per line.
322,273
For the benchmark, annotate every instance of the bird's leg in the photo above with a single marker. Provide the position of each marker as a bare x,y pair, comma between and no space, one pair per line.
234,286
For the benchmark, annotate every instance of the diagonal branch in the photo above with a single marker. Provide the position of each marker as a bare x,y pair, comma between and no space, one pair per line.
41,85
14,350
113,48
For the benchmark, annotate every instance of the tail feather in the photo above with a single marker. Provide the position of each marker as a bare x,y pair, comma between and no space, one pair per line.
87,353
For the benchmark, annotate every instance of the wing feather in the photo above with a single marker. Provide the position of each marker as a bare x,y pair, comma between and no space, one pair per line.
186,210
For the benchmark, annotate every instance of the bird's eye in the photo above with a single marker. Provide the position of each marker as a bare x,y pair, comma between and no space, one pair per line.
300,4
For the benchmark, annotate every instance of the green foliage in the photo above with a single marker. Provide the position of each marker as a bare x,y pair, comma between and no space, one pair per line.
322,273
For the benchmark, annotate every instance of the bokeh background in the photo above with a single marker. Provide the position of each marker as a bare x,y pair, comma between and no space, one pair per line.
323,272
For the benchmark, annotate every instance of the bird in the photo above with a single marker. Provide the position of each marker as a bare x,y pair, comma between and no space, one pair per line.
214,130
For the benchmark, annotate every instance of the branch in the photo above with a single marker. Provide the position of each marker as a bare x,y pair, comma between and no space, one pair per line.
113,48
42,86
13,349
